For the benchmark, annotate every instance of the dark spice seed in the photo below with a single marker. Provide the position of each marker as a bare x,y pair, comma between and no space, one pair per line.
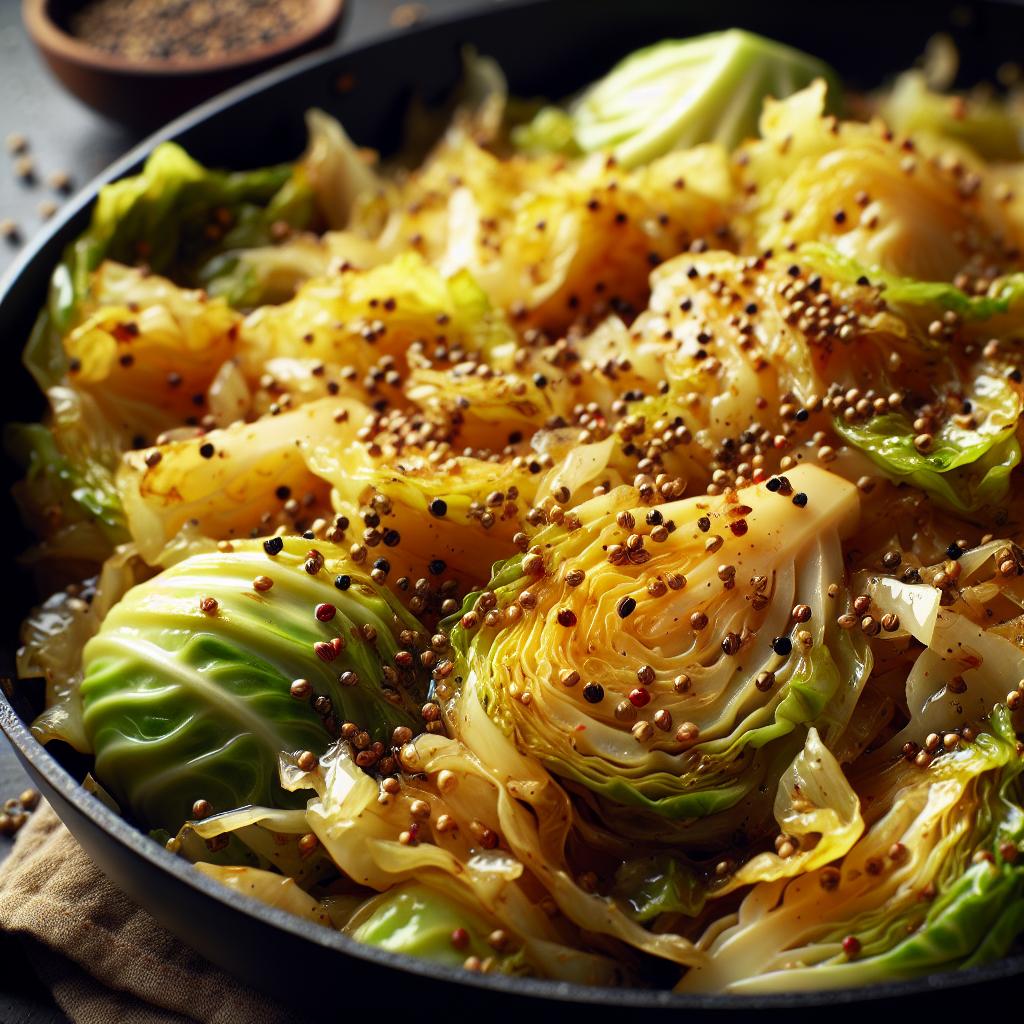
626,607
273,545
593,693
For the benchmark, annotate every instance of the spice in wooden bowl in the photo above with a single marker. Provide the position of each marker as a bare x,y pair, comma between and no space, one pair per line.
185,30
143,61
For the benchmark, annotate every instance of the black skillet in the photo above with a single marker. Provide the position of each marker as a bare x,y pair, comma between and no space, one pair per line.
545,48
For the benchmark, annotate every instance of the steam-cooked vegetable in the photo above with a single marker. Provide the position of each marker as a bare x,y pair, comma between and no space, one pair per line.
677,94
658,669
268,887
414,919
68,494
188,690
963,468
935,882
144,350
226,483
597,556
991,129
851,186
1002,294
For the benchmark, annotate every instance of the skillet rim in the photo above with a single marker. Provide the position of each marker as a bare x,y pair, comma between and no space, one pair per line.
44,766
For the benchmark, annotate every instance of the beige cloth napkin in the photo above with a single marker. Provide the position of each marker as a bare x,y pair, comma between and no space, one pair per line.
104,958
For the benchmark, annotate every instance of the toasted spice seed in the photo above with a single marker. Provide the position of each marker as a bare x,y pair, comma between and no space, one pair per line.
663,719
957,685
574,577
593,693
208,605
569,678
642,731
325,650
688,732
626,607
890,622
162,30
201,809
681,683
307,761
301,689
765,681
566,617
262,584
829,879
625,711
698,621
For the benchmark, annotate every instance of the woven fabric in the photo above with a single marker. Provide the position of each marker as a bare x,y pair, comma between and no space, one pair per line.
102,956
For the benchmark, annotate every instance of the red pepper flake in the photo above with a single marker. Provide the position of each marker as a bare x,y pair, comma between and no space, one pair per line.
639,697
739,527
851,945
325,612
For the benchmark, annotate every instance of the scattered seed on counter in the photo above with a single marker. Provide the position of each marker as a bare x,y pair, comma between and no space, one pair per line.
25,169
60,181
406,15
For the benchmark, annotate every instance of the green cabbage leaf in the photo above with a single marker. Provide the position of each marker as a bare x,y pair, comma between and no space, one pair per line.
965,468
181,704
676,94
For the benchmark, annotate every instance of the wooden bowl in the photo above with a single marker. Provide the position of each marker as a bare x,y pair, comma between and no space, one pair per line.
146,93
